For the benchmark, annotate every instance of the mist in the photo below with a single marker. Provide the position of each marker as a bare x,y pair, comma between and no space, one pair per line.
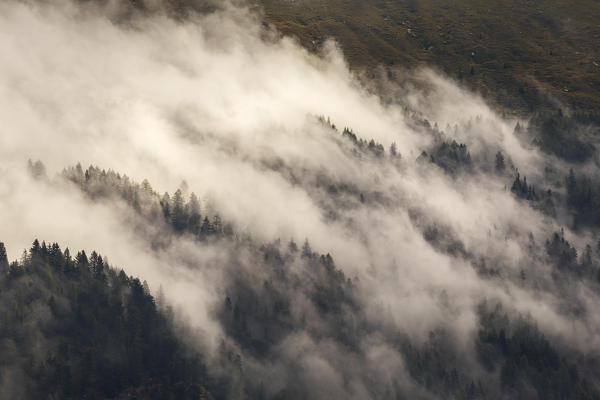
232,108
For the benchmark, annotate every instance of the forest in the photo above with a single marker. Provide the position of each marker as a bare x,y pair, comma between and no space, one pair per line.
236,200
73,327
107,336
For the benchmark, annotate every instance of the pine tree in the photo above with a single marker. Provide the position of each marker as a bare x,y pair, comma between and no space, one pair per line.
206,228
193,210
500,166
146,187
165,203
217,224
3,259
292,246
393,149
517,186
82,262
37,169
306,250
518,128
178,214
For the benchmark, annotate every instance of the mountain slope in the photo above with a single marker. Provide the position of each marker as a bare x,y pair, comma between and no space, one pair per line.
76,328
523,55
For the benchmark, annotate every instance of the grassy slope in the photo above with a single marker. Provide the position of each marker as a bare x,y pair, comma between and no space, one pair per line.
523,55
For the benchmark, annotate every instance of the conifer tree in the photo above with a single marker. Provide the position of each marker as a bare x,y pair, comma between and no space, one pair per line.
3,259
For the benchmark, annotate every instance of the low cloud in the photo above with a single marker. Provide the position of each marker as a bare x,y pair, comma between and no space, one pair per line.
231,108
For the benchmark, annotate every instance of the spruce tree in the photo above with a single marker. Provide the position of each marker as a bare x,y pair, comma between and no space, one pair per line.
3,258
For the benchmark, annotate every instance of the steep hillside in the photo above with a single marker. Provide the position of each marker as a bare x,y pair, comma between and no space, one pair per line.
75,328
297,233
523,55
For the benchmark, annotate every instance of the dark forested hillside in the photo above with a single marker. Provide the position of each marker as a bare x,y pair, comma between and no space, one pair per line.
278,292
103,334
295,220
73,327
78,328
